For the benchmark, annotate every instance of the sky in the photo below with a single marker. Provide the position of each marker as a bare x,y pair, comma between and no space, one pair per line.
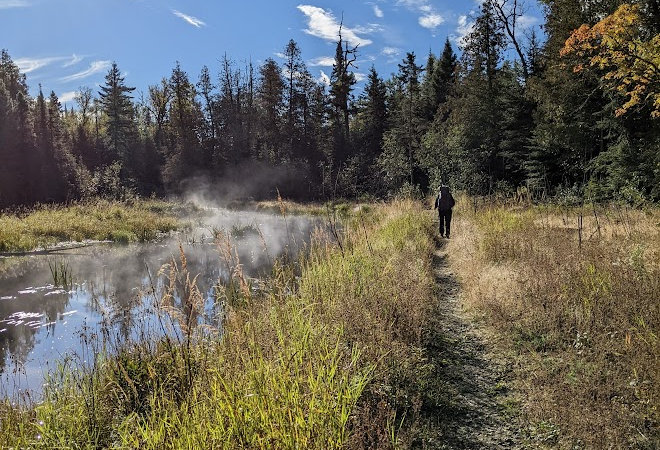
66,44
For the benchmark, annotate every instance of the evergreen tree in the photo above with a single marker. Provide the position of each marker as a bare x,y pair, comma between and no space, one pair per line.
402,142
116,104
270,97
185,155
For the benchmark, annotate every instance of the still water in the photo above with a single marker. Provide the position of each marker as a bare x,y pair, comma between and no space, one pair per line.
110,285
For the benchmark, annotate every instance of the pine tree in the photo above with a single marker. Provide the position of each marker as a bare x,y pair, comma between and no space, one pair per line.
402,142
270,97
185,117
116,104
16,142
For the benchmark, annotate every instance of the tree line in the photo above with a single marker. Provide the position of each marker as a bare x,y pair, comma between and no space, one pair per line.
576,114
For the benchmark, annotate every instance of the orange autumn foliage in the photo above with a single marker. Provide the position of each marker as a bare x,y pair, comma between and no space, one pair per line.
628,61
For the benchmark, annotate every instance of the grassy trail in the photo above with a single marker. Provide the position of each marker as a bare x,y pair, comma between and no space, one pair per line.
476,376
569,298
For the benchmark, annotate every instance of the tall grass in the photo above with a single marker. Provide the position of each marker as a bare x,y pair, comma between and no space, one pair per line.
577,293
100,220
325,355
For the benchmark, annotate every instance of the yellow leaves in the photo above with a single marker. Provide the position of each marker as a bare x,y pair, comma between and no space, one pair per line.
616,45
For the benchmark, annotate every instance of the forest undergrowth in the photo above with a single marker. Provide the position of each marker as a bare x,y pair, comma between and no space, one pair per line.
325,353
575,293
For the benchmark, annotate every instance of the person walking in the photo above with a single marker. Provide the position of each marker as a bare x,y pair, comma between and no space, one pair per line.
444,202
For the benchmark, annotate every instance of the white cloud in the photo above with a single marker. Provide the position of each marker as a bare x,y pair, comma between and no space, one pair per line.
429,17
359,76
326,61
280,55
67,96
7,4
378,12
323,24
324,79
27,65
431,21
75,59
391,51
463,28
94,67
194,21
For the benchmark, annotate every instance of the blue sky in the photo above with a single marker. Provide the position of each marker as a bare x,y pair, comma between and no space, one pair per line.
65,44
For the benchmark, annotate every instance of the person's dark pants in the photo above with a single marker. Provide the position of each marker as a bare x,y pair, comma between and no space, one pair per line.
444,217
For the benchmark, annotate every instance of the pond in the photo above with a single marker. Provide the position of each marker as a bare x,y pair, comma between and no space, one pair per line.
50,303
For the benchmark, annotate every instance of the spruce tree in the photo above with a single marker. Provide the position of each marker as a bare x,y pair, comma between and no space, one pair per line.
117,107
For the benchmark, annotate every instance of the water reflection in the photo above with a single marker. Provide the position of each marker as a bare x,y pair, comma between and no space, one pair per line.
41,322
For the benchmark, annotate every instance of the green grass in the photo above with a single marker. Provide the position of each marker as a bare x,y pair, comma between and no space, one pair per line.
100,220
326,355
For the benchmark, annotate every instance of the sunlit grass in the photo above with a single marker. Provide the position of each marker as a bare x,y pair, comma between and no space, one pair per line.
99,220
325,355
577,292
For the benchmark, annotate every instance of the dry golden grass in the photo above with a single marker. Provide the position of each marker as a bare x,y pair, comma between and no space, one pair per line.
582,309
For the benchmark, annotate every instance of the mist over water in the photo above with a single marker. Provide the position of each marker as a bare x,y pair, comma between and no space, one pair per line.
41,324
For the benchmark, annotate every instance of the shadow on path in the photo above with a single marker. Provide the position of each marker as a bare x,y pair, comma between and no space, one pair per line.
475,409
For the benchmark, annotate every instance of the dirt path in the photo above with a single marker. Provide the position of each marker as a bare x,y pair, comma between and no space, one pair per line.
480,410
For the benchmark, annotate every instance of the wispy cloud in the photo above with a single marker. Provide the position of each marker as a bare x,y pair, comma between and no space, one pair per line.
27,65
67,96
378,12
194,21
94,67
326,61
359,77
323,24
7,4
392,53
429,17
280,55
75,59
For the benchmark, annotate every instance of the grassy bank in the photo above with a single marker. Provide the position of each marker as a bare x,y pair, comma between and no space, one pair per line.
326,355
576,293
100,220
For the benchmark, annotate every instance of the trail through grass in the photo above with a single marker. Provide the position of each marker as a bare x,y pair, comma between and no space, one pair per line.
576,293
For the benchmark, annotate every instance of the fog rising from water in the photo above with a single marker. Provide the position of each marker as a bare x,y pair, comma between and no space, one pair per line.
40,323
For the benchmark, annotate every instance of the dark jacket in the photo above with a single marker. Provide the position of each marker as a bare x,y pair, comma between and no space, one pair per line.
444,201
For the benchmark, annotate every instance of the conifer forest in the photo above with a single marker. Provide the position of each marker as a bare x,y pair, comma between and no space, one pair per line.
573,113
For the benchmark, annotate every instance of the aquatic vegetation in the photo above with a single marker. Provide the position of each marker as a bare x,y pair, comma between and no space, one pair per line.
131,221
61,272
321,355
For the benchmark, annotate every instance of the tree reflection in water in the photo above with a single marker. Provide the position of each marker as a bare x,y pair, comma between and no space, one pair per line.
40,323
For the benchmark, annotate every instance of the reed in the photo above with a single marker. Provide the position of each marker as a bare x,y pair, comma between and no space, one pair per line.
320,356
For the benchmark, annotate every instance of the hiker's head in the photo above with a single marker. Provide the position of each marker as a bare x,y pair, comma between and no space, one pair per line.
444,189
